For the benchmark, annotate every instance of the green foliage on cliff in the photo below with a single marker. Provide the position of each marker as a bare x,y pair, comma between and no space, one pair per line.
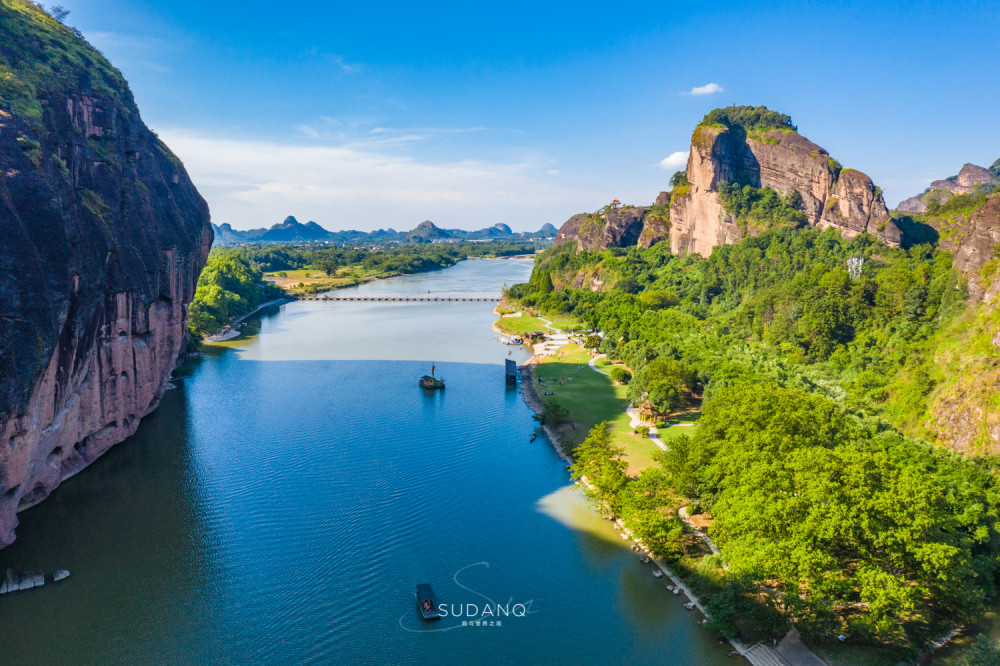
750,118
39,55
760,208
995,169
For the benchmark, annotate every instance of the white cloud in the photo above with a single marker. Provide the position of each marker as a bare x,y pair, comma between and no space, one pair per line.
707,89
360,185
676,160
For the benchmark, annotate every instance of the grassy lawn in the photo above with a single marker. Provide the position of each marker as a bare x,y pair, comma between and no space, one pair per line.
529,324
591,398
314,281
523,324
564,321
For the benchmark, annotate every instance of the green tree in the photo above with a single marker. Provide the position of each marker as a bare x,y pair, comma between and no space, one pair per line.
553,414
620,375
601,464
982,652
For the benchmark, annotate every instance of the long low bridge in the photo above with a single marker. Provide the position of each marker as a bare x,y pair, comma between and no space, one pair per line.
411,299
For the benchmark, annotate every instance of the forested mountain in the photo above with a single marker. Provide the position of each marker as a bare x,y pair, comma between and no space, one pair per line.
849,386
748,170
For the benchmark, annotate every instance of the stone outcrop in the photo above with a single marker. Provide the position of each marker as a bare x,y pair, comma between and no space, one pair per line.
656,224
781,160
692,216
103,239
968,180
615,226
974,254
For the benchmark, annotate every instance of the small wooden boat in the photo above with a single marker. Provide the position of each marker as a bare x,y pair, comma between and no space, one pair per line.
427,603
430,381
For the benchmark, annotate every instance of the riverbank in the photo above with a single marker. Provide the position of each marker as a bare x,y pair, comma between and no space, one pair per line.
233,332
563,450
789,651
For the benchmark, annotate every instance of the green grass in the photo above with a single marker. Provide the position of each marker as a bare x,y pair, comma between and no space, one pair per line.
523,324
592,398
530,324
564,322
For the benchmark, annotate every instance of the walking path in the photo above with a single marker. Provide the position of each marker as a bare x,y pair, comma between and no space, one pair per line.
683,513
592,363
654,435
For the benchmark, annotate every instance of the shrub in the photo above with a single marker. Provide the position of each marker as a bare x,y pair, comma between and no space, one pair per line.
750,118
620,375
642,431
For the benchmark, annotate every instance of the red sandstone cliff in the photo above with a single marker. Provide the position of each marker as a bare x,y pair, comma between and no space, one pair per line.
781,160
102,238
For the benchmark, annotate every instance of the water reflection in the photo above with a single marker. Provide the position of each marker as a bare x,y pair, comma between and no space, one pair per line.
283,502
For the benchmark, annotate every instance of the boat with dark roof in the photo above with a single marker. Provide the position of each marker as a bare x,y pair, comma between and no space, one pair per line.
430,381
427,603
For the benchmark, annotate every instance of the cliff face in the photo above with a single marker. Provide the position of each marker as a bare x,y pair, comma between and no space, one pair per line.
103,238
781,160
615,227
967,180
974,254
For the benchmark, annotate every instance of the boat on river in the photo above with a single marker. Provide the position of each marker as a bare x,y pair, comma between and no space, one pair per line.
431,382
426,602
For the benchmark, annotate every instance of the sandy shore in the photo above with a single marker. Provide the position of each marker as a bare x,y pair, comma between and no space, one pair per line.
233,332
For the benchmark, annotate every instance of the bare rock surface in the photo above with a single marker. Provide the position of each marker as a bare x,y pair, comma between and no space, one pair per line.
974,255
782,160
618,226
966,181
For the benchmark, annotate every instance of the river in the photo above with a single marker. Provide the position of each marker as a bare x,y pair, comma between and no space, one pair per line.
283,501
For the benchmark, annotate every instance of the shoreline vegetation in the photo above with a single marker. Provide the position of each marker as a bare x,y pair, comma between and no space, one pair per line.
564,444
237,281
828,519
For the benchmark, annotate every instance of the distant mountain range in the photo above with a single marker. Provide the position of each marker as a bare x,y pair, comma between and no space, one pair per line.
293,231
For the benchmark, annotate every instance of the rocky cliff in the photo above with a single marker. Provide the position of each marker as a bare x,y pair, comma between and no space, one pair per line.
782,160
756,147
975,251
613,226
969,179
103,238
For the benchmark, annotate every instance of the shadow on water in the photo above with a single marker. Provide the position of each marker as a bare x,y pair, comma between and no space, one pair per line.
282,503
130,530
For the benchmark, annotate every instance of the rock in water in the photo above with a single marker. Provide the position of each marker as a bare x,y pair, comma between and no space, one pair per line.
102,238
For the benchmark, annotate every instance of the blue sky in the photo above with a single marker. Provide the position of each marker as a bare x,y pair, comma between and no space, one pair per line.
384,114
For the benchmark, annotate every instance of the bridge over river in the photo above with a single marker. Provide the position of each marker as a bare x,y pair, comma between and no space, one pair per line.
410,299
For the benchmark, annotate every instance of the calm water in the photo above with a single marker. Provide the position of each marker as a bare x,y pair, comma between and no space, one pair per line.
283,501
